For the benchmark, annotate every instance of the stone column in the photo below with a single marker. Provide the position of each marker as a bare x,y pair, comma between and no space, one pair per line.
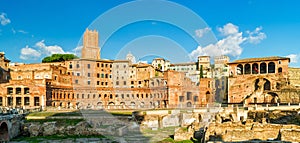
14,100
22,101
4,101
42,102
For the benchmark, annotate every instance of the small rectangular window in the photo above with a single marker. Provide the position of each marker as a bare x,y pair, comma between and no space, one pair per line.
88,66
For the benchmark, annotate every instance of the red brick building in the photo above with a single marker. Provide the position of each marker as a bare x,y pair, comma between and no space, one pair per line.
258,80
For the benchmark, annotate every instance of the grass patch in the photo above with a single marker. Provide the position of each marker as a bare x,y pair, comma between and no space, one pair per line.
170,140
41,114
68,114
48,114
120,113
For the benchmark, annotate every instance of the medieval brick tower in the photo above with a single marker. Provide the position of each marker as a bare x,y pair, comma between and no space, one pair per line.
90,48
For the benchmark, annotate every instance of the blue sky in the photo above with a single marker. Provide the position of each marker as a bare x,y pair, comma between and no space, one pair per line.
176,30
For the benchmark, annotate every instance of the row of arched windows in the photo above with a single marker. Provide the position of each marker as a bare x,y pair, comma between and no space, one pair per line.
65,95
255,68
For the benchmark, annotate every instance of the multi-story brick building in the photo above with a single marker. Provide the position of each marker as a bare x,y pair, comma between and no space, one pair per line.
91,82
27,86
190,69
258,80
182,91
4,71
220,75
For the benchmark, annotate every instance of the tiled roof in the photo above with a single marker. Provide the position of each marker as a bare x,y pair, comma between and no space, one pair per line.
274,58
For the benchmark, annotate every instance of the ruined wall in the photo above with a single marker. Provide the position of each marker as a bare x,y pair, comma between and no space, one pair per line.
234,132
294,76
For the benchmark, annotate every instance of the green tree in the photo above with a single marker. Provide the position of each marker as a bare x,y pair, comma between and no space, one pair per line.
201,71
59,58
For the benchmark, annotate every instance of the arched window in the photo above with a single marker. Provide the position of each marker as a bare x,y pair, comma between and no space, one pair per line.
247,69
255,68
279,70
267,85
263,68
271,67
239,69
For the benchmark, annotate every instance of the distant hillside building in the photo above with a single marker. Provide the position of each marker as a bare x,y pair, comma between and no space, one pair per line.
161,64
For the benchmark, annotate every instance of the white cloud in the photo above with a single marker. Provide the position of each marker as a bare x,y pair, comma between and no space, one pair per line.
49,50
22,31
29,53
3,19
230,45
42,50
256,36
294,58
229,29
18,31
200,32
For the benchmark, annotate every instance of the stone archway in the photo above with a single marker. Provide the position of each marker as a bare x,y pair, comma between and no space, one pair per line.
111,105
262,84
122,105
274,97
142,105
99,105
132,105
188,104
4,135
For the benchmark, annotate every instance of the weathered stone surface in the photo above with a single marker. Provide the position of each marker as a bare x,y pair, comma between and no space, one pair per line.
235,132
182,134
34,129
290,135
170,120
48,128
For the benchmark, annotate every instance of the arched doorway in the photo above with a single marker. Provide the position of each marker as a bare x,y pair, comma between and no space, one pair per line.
111,105
99,105
266,86
188,104
208,100
274,97
142,105
280,70
122,105
4,136
132,105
